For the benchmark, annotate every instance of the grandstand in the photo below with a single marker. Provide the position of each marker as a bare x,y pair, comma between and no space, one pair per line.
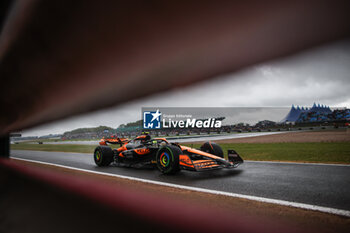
317,113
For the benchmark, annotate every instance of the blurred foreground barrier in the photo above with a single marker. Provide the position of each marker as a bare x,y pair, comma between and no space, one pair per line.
40,200
60,58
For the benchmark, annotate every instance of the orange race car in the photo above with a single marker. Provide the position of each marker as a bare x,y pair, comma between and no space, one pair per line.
167,157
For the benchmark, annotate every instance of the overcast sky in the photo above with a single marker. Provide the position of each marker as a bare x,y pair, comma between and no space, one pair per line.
320,75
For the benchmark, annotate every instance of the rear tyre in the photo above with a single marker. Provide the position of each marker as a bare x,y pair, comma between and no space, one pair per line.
168,159
103,156
212,148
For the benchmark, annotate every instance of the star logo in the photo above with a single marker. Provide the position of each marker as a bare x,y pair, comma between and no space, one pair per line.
152,119
156,115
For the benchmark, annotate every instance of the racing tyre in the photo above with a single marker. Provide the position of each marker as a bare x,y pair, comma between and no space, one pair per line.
212,148
103,156
168,159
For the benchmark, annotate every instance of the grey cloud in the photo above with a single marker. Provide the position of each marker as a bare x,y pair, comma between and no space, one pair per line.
318,75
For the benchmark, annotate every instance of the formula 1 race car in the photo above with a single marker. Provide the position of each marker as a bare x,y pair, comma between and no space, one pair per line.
168,157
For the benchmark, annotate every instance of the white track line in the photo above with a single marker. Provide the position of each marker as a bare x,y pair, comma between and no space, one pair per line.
340,212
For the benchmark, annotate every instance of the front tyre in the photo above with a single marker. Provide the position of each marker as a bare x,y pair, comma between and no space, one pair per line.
168,159
212,148
103,156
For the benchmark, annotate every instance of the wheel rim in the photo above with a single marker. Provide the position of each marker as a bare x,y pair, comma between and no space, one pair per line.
164,159
98,155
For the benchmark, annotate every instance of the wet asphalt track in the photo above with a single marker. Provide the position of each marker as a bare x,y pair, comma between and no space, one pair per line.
322,185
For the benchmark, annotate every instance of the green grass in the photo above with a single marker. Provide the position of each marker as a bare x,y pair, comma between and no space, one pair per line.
57,140
319,152
322,152
52,147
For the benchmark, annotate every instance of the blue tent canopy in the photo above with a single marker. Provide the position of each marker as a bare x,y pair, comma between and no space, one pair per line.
295,113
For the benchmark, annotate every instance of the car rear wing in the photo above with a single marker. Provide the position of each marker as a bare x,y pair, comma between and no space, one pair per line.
113,140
